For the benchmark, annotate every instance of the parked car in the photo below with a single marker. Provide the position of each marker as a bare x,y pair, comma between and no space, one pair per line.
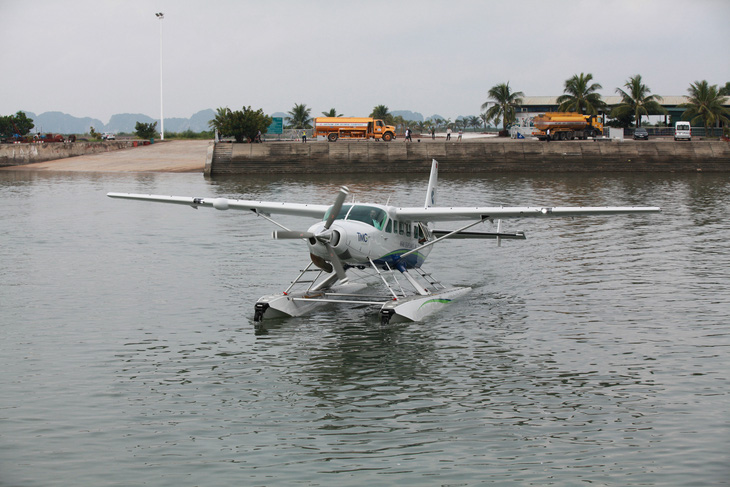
108,137
641,133
682,130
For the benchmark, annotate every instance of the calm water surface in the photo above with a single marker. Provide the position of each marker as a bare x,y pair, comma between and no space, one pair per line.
595,352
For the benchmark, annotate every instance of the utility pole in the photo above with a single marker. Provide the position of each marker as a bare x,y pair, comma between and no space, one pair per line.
161,16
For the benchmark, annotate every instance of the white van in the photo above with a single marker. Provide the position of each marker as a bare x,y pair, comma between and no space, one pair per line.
682,130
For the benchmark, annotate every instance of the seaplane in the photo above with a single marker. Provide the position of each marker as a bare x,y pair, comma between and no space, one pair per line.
368,254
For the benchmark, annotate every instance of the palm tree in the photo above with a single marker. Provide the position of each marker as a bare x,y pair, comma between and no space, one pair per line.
706,104
725,90
221,121
580,96
381,112
484,119
331,113
637,100
503,101
299,117
475,122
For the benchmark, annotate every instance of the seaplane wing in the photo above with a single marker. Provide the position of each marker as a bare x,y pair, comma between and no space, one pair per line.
440,214
264,207
355,245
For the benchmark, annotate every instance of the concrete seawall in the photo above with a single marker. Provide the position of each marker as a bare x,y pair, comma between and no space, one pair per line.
468,156
21,154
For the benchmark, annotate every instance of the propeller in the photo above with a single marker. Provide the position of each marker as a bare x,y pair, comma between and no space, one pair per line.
281,235
325,237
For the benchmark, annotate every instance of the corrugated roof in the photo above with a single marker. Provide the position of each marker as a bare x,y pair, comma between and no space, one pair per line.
529,101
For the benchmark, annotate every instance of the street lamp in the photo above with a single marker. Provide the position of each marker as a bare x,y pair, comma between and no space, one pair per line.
161,16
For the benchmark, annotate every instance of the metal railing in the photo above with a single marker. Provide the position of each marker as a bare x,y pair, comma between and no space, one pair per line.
669,131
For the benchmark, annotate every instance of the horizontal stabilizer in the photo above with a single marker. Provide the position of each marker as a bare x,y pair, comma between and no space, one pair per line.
515,235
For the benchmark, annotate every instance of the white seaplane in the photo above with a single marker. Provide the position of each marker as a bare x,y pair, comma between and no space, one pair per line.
371,254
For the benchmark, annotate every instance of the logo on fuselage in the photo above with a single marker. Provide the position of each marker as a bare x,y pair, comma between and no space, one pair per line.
362,237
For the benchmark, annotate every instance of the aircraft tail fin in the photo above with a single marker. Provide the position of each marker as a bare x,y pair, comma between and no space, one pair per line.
432,183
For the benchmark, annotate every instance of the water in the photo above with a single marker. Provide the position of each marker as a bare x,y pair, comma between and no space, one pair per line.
595,352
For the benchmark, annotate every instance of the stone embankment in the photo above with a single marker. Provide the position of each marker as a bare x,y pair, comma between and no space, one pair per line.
21,154
468,156
480,155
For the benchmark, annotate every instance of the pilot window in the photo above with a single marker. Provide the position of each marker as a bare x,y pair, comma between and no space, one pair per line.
387,226
341,215
368,214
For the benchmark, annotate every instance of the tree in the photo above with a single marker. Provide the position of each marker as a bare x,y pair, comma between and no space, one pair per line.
331,113
484,119
242,124
475,122
705,104
6,126
503,103
623,120
299,117
381,112
637,101
725,90
16,124
580,95
221,121
143,130
399,122
97,136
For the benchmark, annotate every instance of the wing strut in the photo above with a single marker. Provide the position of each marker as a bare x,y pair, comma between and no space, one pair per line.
428,244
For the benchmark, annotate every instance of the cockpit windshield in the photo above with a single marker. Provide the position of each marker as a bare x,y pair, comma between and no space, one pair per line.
362,213
341,215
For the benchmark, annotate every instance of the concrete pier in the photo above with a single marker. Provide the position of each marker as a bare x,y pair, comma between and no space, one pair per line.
476,155
469,156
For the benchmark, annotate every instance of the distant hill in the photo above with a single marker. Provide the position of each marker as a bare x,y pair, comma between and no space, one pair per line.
199,121
125,122
63,123
58,122
408,115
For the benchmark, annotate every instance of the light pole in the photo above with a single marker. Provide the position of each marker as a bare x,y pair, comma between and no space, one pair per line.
161,16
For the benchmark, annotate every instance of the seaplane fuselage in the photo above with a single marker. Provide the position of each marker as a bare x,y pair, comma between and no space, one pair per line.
365,233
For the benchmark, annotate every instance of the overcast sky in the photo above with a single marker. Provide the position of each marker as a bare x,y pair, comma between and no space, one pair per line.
95,58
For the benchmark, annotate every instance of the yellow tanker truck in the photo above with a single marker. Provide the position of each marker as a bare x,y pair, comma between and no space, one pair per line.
567,125
353,128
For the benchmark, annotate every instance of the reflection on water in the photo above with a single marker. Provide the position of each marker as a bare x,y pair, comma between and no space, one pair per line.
593,352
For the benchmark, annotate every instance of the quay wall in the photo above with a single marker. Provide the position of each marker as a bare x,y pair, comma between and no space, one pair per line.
468,156
21,154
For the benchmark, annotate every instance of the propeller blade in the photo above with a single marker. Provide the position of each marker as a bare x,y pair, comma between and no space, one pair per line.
288,234
337,206
336,263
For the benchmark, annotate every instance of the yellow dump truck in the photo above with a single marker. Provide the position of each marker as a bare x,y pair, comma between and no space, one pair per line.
352,128
567,125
